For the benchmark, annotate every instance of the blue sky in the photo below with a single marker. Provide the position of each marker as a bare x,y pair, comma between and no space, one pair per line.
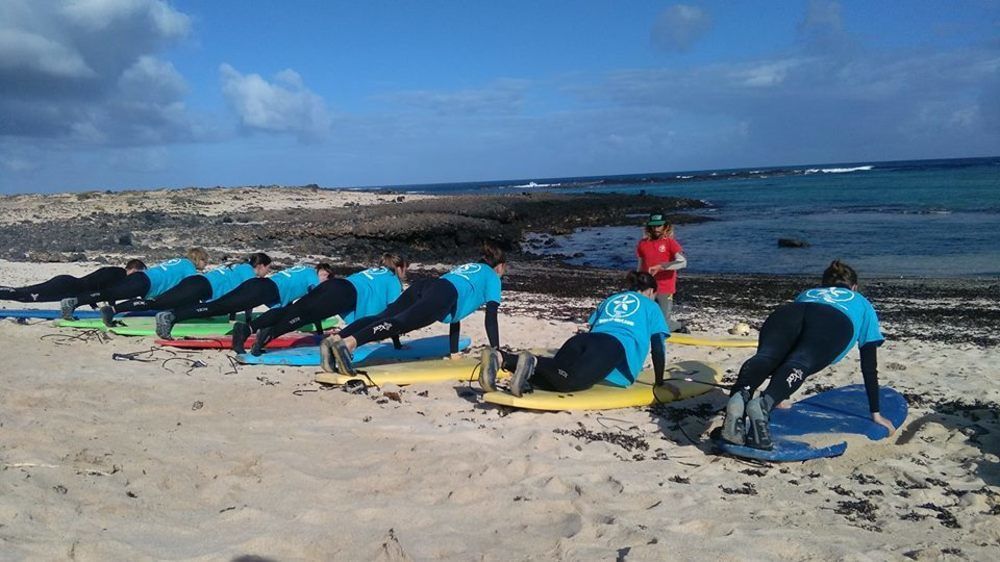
110,94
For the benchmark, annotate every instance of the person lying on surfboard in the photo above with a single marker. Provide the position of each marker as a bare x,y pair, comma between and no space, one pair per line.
358,296
623,330
797,340
149,284
194,289
65,286
448,299
276,290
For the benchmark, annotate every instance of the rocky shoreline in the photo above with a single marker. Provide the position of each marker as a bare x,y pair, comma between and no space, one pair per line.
352,228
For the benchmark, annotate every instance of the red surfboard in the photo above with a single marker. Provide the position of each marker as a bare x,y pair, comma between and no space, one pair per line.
294,339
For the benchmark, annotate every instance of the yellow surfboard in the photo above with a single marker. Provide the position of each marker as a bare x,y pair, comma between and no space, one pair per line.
603,396
437,370
711,340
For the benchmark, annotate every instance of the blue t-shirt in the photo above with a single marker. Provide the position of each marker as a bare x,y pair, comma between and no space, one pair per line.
632,319
224,279
166,275
855,306
376,287
293,283
477,284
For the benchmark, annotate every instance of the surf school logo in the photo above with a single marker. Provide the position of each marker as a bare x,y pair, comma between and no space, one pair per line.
383,327
622,306
663,248
467,270
832,295
373,272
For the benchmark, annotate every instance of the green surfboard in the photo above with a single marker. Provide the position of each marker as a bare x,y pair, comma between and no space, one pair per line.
146,326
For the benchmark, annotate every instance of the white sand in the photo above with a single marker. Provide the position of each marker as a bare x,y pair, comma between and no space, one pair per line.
208,202
123,460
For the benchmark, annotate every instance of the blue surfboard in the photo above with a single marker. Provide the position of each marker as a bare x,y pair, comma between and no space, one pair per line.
370,353
49,314
841,410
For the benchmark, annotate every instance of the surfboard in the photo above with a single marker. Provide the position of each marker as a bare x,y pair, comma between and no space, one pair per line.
295,339
413,372
368,354
49,314
710,340
842,410
604,396
197,327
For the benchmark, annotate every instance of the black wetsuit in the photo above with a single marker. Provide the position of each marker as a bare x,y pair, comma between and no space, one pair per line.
132,286
420,305
65,286
248,295
583,361
190,291
797,340
330,298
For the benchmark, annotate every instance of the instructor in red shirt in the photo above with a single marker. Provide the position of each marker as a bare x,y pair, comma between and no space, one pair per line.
661,256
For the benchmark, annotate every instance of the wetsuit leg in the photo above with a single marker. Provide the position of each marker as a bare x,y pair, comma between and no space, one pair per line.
826,332
250,293
63,286
407,299
436,301
132,286
777,338
581,362
329,298
190,291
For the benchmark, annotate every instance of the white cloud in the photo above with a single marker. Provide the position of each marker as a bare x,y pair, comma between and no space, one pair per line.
678,27
87,71
282,106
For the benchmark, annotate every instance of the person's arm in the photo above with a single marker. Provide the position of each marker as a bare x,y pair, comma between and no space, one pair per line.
454,331
492,326
658,351
396,344
679,262
869,370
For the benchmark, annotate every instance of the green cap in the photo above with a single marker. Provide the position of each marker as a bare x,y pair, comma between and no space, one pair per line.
656,219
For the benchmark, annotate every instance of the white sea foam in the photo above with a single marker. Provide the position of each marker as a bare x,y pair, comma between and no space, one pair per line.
838,170
683,177
533,184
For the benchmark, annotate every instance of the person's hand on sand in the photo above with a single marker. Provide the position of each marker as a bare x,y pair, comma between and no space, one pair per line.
877,418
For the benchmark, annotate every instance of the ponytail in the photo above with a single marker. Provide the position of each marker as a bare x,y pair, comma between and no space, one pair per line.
394,261
259,258
493,255
839,273
639,281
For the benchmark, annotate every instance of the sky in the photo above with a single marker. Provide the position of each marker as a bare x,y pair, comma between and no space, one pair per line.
115,94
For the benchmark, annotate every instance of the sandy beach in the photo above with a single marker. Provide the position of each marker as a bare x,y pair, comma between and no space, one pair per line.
157,458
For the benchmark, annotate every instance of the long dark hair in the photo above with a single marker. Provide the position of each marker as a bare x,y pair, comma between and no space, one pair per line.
259,258
493,255
839,273
393,261
639,281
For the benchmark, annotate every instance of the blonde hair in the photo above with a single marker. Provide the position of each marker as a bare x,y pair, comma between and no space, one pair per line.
649,232
394,261
197,255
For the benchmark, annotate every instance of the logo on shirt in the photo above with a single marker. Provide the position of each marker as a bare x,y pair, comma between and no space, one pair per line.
832,295
288,272
372,272
169,263
467,269
622,306
663,248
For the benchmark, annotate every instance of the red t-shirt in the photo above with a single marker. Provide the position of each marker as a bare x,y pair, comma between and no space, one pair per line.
656,252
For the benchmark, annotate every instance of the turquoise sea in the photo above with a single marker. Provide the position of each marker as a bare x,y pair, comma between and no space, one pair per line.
938,218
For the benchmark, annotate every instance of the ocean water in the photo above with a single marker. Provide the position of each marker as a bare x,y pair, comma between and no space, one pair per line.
937,218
